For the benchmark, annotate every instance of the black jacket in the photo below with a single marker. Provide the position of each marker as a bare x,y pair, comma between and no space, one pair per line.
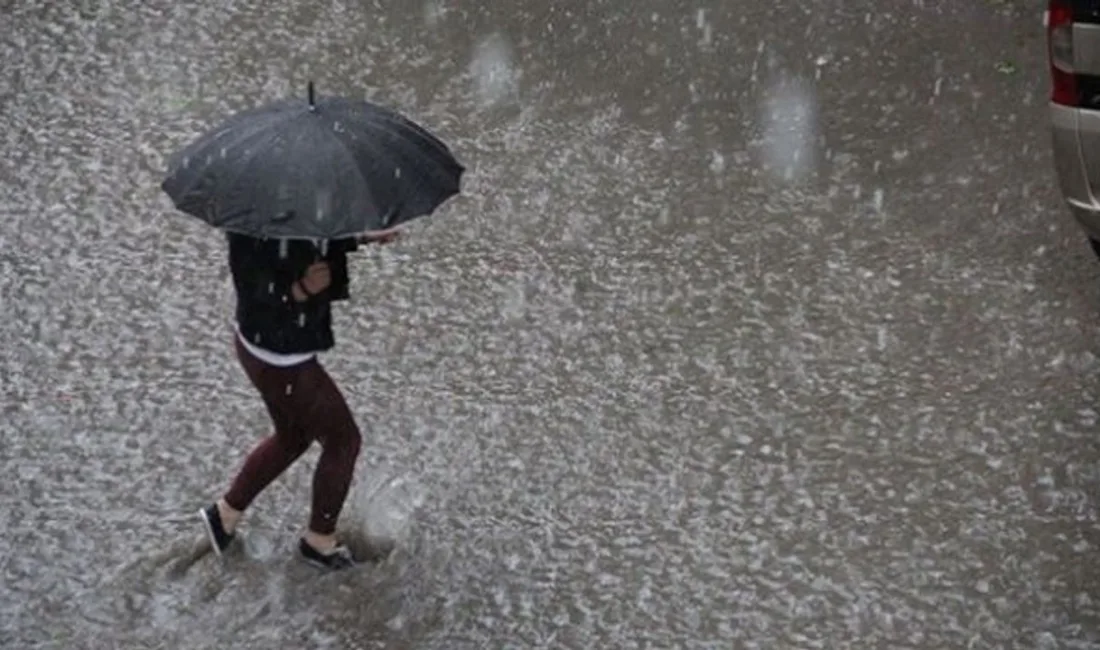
267,314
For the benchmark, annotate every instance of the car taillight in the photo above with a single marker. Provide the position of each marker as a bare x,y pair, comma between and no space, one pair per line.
1059,19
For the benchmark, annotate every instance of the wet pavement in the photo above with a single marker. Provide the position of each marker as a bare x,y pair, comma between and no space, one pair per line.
758,325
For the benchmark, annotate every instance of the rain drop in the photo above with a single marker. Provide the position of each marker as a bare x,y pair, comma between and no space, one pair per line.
223,153
289,389
492,69
397,172
271,287
186,162
433,12
323,203
702,24
301,320
324,248
284,249
790,116
717,162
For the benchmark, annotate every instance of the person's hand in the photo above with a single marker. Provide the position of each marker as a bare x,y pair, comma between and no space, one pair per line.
380,236
317,278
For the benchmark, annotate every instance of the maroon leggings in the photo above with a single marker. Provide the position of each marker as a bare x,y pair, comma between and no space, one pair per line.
305,405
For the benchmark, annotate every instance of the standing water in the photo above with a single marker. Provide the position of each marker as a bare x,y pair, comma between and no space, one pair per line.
625,392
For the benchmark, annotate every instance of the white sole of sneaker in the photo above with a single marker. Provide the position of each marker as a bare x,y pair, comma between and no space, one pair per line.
210,532
314,563
317,564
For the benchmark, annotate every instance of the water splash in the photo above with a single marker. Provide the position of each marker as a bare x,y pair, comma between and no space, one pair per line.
379,513
789,118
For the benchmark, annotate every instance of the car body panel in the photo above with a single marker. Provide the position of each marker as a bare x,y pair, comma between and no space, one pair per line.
1075,131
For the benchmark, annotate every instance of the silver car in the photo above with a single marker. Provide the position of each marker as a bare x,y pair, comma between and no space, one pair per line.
1073,46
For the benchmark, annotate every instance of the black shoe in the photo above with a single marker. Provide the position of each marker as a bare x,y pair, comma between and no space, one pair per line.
212,519
339,558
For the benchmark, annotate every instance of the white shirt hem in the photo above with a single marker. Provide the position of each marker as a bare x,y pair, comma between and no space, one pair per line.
272,358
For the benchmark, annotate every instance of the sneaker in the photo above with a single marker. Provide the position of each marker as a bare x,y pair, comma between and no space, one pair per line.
339,558
212,519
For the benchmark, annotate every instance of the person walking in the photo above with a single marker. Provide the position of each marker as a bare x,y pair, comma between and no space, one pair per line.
298,183
285,290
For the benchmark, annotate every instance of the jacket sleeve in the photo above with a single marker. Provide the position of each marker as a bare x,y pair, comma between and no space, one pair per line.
338,263
259,273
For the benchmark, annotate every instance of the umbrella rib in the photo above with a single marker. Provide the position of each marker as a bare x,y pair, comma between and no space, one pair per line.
243,168
398,152
236,142
229,127
408,133
402,123
342,146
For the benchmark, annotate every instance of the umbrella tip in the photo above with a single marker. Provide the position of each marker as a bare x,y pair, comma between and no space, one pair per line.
312,103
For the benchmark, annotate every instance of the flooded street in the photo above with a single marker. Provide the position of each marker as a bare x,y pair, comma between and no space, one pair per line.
756,325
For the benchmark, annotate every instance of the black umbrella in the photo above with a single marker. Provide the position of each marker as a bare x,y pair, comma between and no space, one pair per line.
308,169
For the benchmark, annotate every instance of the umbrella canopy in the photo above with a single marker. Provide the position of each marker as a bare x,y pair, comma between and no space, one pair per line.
309,169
